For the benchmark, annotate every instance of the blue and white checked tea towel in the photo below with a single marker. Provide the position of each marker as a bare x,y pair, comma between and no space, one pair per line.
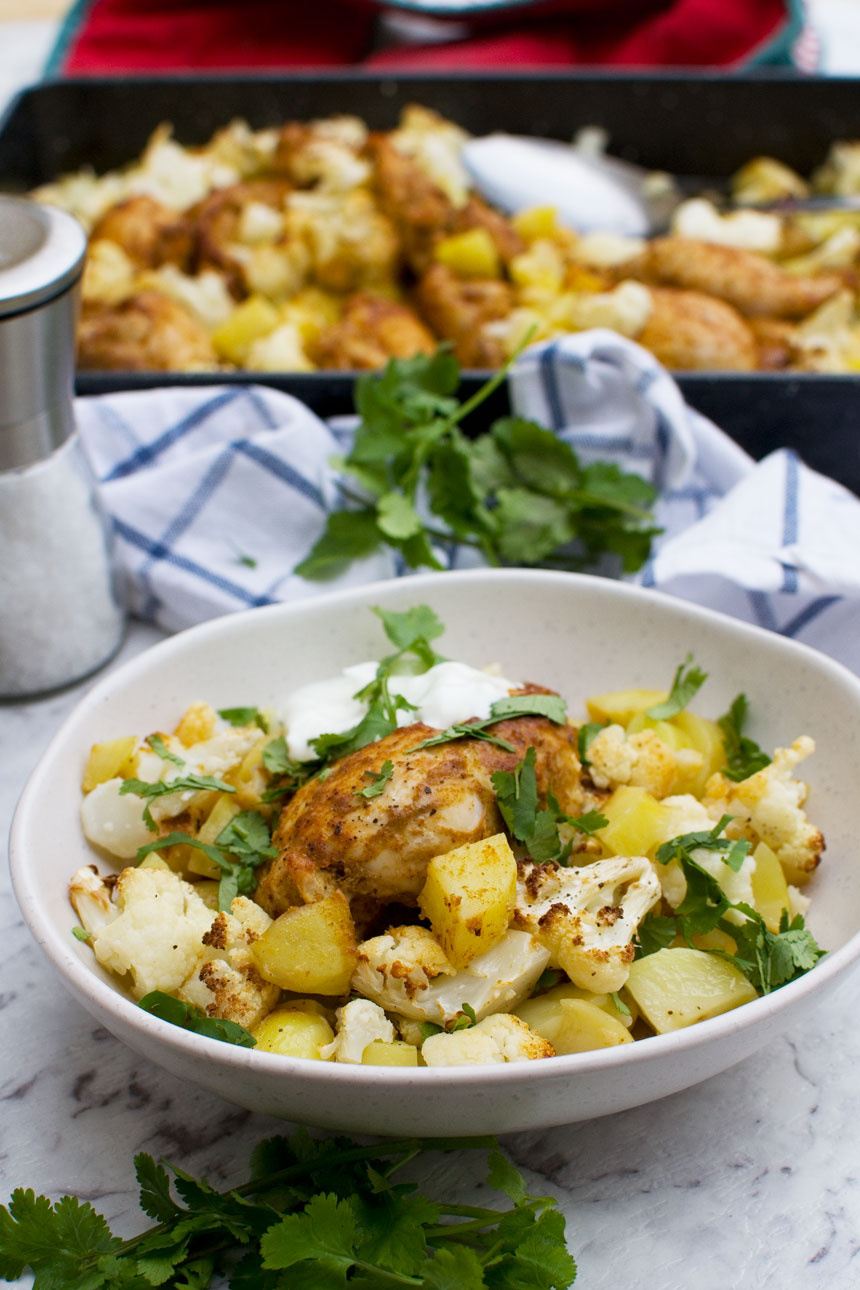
217,492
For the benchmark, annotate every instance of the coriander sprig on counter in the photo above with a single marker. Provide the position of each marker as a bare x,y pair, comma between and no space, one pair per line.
516,493
316,1213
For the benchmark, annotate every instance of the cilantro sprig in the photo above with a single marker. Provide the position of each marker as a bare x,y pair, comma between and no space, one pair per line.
767,959
192,782
189,1017
537,828
551,706
743,755
517,492
314,1213
239,849
686,683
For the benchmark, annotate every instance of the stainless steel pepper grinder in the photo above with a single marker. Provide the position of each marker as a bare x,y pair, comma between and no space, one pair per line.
60,614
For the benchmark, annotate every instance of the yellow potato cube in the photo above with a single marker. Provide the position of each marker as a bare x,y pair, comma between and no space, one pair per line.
293,1032
219,817
471,254
250,778
574,1021
770,889
706,738
468,897
621,706
535,222
196,724
637,822
389,1052
108,760
252,319
677,987
310,949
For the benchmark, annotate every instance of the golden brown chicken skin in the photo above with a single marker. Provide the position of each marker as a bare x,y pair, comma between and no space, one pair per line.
688,331
749,281
457,309
376,850
370,331
146,332
148,232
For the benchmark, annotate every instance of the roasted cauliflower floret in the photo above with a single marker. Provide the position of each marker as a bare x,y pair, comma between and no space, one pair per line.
587,916
406,971
227,983
359,1022
157,933
770,806
497,1039
642,759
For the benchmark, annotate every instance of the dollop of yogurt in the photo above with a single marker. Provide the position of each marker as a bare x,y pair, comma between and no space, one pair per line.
444,695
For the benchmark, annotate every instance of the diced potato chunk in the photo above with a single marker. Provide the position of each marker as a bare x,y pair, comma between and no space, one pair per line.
196,724
770,889
293,1032
469,895
535,222
637,822
218,818
389,1052
677,987
471,254
706,738
310,949
575,1022
621,706
249,321
108,760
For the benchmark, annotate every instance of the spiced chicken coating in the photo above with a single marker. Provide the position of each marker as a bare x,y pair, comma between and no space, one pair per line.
376,850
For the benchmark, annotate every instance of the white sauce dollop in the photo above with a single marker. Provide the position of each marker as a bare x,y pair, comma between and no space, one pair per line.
444,695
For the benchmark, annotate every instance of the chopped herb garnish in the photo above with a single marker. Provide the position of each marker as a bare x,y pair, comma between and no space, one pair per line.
687,682
552,706
743,755
586,735
315,1213
238,851
767,959
160,748
620,1004
81,934
517,493
163,788
192,1018
378,780
249,716
537,829
465,1019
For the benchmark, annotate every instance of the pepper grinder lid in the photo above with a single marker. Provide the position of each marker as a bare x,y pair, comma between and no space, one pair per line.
42,251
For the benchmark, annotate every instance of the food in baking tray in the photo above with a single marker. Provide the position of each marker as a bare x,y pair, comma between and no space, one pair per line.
420,863
327,245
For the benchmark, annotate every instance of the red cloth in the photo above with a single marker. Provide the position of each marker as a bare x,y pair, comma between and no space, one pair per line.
185,35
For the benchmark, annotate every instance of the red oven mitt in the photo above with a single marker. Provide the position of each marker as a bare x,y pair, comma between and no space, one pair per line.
118,36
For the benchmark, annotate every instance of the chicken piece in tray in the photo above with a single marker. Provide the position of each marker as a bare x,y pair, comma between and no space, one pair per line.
458,310
376,850
149,233
148,331
690,331
370,331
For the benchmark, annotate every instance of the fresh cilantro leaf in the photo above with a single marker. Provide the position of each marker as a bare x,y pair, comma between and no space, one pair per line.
192,1018
620,1004
240,848
379,779
454,1267
552,706
155,1197
586,735
81,934
734,851
163,788
591,822
687,682
326,1230
517,492
277,761
159,747
465,1019
428,1028
743,755
655,932
247,560
412,630
61,1243
517,797
248,716
465,730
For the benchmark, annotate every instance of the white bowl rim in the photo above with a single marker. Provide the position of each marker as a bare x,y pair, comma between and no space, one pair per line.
100,996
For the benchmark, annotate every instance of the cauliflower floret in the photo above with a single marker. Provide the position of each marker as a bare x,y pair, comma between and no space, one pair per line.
283,350
769,804
109,274
751,230
157,935
685,814
406,971
642,759
227,984
501,1038
205,294
436,145
114,821
586,916
90,896
359,1022
626,308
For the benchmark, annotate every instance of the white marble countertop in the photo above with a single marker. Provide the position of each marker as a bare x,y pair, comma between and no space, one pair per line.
748,1180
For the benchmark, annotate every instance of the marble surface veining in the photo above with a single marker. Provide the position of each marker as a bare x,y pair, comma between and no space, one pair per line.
751,1179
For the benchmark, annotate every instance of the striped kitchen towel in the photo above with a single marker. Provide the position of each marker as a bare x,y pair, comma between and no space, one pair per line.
217,492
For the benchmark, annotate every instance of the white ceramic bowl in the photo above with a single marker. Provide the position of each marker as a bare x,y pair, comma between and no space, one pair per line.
580,635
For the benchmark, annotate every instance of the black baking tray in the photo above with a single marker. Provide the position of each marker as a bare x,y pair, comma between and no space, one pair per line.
707,124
